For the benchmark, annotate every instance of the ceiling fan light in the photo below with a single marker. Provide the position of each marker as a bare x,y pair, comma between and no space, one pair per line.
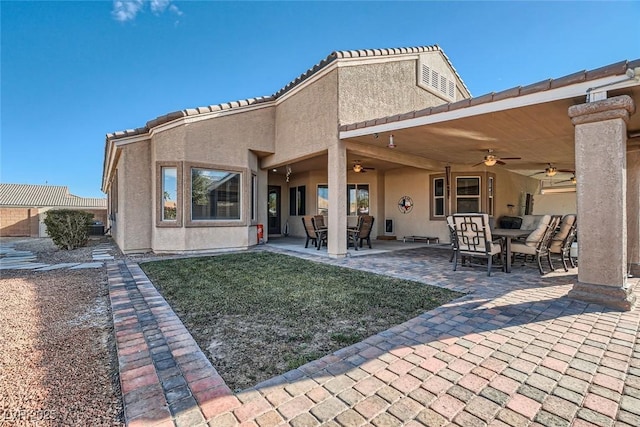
490,161
551,171
573,180
357,167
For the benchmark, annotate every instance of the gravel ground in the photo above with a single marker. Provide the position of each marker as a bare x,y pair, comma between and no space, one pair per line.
48,253
58,364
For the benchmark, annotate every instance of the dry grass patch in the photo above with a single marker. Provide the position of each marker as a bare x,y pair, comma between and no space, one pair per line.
260,314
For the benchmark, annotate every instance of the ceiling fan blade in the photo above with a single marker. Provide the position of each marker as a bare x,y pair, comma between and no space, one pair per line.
538,173
369,169
566,170
510,158
477,164
500,162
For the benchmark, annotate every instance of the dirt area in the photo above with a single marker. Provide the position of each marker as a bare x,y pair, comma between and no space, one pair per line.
48,253
58,364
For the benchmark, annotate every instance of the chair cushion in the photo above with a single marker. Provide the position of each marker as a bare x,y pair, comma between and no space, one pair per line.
523,248
538,233
531,222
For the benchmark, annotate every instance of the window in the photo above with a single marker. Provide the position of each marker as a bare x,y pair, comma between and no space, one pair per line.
357,199
323,199
468,194
215,195
168,198
297,200
169,193
437,210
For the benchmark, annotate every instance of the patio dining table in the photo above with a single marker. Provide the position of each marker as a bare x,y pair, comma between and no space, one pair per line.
507,234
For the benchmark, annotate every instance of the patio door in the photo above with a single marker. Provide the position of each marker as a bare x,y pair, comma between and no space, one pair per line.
274,210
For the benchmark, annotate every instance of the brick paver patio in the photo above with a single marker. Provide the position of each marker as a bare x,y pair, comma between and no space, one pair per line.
515,351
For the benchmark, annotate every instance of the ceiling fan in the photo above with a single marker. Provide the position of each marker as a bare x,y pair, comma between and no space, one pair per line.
551,170
491,159
358,168
572,180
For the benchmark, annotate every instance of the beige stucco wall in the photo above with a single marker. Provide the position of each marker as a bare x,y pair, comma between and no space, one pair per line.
135,203
415,184
306,121
554,204
376,90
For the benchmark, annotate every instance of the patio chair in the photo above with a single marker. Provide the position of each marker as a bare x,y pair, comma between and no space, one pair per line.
320,231
452,236
562,240
537,243
310,231
319,221
474,240
362,232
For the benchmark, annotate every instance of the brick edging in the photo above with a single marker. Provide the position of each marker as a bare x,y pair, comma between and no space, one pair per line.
165,377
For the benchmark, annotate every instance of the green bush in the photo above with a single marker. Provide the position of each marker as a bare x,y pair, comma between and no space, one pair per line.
68,228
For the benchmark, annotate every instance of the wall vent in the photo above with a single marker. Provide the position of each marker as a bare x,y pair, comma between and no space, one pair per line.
438,81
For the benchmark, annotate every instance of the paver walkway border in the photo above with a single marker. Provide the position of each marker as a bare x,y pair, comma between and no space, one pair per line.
515,352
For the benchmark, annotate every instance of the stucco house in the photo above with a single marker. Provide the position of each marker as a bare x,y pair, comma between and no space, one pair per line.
365,131
23,207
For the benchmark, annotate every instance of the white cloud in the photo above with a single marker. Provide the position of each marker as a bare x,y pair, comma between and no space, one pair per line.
127,10
159,6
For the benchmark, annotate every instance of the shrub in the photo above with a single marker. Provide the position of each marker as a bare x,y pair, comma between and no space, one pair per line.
69,229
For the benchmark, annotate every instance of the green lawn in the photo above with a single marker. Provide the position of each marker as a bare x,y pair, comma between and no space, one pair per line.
260,314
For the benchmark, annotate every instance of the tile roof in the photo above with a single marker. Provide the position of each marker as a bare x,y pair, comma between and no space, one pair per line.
343,54
29,195
619,68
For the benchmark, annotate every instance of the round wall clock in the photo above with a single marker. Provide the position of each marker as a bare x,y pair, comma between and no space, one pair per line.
405,204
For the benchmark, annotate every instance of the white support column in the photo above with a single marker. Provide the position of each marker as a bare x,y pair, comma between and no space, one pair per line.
600,142
337,173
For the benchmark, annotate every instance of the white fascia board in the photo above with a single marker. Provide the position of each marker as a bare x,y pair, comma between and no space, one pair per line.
571,91
130,140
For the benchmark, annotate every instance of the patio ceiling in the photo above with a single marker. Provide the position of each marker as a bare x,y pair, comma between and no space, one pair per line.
539,134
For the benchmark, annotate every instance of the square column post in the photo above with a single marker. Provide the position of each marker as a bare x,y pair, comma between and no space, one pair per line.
337,173
601,148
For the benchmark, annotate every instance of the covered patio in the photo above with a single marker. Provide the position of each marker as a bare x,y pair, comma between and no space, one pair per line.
582,126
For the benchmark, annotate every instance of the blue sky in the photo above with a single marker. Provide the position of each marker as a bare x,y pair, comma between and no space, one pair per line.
74,71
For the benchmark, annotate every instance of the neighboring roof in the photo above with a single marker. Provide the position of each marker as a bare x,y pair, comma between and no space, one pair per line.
29,195
619,68
342,54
